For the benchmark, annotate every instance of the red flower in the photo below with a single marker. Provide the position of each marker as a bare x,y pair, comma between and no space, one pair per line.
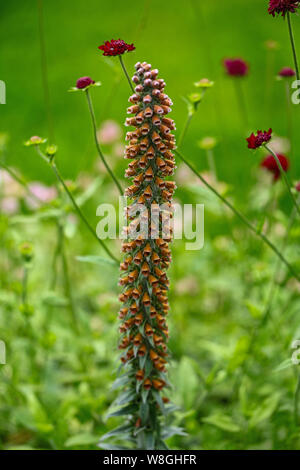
262,137
298,187
236,67
283,6
116,47
83,82
287,72
270,164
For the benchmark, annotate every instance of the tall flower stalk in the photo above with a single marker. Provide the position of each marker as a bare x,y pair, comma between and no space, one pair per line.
143,329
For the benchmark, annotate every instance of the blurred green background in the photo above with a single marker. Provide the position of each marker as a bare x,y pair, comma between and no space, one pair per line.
186,42
55,388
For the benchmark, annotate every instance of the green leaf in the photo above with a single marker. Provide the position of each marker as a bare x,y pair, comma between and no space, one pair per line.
84,439
115,432
284,365
264,410
126,410
159,401
223,422
170,431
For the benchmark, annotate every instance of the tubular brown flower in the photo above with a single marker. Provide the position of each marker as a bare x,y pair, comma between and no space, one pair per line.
144,331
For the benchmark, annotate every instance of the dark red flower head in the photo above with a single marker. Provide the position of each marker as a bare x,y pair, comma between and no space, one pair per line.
83,82
262,137
282,7
270,164
236,67
116,47
298,187
287,72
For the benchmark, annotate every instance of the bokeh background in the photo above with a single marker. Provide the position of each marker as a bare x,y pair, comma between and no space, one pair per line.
55,387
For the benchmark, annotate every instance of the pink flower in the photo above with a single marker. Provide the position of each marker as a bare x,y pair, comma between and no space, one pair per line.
9,205
283,7
109,132
269,163
83,82
287,72
44,193
262,137
236,67
116,47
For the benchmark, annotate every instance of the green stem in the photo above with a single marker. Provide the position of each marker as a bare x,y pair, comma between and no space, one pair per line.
212,163
241,100
289,113
25,287
56,254
76,207
20,181
286,180
185,128
100,153
126,73
45,70
292,39
272,291
80,213
241,217
68,288
296,401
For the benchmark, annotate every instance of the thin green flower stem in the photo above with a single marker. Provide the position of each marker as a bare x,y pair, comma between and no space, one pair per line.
20,181
241,100
211,163
272,291
292,39
185,129
240,216
296,401
289,113
286,180
76,207
25,286
100,153
45,70
68,287
57,251
126,73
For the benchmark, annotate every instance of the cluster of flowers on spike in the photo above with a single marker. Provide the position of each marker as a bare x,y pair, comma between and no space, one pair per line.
144,332
283,7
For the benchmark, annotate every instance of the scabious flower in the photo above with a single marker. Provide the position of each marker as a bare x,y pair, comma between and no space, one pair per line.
287,72
83,82
236,67
262,137
283,7
116,47
144,331
270,164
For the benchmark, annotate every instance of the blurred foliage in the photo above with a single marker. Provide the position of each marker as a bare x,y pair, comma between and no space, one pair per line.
231,371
